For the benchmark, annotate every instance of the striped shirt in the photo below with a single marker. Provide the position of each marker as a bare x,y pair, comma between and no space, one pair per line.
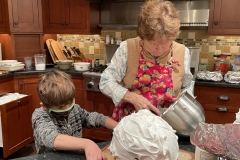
47,126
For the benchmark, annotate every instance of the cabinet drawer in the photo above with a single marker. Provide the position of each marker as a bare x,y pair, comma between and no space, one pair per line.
221,96
220,114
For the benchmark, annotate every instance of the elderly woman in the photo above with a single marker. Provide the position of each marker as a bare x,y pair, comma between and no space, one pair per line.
149,71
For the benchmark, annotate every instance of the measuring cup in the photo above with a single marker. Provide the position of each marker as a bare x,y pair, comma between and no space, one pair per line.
40,61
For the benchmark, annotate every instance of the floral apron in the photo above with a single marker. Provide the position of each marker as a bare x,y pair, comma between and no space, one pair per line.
154,82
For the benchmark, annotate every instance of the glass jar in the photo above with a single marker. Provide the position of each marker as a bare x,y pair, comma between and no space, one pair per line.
107,39
221,64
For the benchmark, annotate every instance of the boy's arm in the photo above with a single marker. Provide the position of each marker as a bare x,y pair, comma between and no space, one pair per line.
110,123
66,142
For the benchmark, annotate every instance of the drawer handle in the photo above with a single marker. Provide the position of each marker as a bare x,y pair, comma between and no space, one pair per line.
223,98
222,109
19,102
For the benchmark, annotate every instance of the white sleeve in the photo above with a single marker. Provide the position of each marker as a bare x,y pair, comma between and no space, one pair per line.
111,78
188,82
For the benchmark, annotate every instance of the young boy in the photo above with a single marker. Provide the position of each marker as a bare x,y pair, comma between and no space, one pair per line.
58,123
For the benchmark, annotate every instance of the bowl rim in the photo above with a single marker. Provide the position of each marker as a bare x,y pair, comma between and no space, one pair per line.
82,63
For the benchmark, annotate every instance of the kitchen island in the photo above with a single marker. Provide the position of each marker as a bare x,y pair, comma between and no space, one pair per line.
213,96
184,144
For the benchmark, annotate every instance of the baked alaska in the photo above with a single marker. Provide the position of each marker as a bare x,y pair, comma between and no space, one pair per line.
144,136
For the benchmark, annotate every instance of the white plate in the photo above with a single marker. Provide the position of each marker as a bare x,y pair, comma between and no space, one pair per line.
12,68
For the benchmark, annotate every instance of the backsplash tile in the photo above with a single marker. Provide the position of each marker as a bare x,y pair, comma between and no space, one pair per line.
208,44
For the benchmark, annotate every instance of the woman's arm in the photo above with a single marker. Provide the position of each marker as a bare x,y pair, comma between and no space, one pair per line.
187,83
111,78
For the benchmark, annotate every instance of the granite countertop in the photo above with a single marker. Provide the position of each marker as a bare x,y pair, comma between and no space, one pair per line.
184,144
71,71
216,84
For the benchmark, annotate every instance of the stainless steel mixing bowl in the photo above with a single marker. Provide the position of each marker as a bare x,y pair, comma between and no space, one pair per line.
184,115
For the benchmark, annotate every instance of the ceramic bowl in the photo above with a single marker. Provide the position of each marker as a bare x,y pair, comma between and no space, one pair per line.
82,66
64,64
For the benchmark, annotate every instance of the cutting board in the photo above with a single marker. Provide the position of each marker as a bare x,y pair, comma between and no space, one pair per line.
54,57
182,155
56,50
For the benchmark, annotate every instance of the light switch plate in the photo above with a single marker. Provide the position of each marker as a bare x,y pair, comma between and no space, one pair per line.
91,49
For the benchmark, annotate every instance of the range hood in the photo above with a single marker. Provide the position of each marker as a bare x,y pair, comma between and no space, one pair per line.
123,14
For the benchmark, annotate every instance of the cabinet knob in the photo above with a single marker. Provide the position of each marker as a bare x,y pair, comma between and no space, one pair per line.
223,98
19,102
16,22
62,23
216,22
21,85
222,109
66,23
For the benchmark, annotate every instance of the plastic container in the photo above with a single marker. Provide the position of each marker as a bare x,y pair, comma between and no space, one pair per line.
237,60
201,154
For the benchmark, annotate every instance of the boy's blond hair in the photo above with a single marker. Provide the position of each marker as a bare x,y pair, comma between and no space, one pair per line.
56,88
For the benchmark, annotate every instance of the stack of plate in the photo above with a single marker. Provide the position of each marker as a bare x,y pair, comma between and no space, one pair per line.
11,65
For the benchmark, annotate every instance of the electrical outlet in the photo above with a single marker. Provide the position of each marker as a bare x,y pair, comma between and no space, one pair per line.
91,49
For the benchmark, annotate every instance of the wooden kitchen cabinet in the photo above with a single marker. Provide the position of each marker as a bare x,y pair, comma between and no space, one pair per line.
27,84
6,85
18,46
16,125
4,20
70,17
224,17
98,102
220,104
80,92
25,16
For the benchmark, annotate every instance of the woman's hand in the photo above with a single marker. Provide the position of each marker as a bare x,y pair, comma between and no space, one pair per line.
93,152
140,102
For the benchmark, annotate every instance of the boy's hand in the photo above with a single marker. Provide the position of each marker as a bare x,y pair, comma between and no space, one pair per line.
93,152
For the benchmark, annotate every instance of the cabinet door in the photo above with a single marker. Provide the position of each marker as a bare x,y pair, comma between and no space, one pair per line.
4,21
54,12
224,17
97,102
28,86
79,8
80,92
70,16
16,125
25,16
6,85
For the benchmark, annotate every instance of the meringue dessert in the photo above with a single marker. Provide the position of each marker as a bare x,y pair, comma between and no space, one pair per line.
144,136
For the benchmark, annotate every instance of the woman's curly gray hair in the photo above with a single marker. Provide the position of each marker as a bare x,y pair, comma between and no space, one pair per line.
158,18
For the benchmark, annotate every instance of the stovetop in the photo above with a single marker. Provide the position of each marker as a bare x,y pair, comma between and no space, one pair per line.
92,78
98,69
